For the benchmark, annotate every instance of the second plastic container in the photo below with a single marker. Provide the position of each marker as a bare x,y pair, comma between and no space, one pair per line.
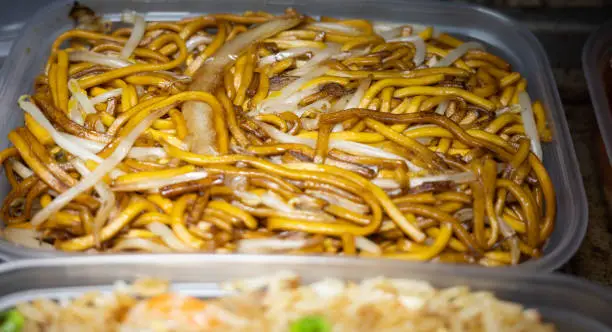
572,305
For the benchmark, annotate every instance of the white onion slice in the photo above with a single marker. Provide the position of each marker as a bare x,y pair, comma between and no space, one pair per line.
28,106
75,90
464,215
90,145
419,45
74,112
138,32
103,168
25,237
358,95
367,245
340,201
294,86
321,104
22,170
147,153
106,96
196,41
334,27
274,201
462,177
287,54
509,233
263,245
167,236
107,199
140,244
98,59
346,146
153,183
386,184
314,62
457,53
391,33
441,109
529,124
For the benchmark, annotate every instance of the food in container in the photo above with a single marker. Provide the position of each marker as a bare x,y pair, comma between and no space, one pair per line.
278,302
398,237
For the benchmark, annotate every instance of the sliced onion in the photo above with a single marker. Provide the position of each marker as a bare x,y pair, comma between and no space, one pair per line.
98,59
386,184
74,112
346,146
387,29
341,103
391,33
28,106
107,199
26,237
310,124
516,108
287,54
529,124
175,76
464,215
358,95
509,233
239,184
167,236
340,201
153,183
103,168
138,32
263,245
86,104
432,61
334,27
457,53
106,96
286,94
22,170
196,41
462,177
317,59
288,103
321,105
147,153
419,45
140,244
198,115
441,109
90,145
367,245
274,201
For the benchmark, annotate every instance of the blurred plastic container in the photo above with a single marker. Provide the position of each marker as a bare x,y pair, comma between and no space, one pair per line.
597,65
571,304
502,35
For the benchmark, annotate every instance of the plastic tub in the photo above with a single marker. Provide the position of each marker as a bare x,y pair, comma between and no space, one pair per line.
503,36
596,57
569,303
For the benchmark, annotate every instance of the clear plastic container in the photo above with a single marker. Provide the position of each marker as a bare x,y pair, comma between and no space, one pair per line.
503,36
596,59
571,304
